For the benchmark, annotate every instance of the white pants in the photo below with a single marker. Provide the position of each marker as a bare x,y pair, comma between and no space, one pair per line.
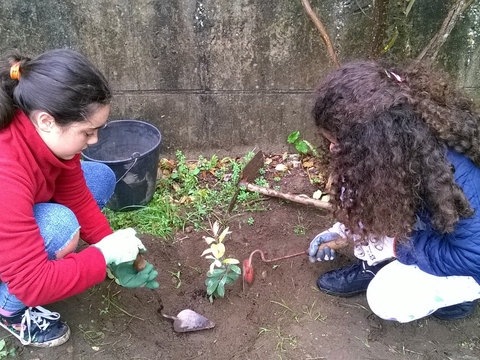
405,293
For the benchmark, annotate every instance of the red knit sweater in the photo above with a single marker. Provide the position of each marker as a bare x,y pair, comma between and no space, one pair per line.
29,174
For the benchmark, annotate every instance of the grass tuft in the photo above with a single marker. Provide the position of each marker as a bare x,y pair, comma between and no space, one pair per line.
188,193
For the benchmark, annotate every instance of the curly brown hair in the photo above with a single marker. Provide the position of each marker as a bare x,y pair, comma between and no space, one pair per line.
387,164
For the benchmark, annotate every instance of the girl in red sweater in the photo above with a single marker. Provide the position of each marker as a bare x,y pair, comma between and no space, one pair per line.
51,108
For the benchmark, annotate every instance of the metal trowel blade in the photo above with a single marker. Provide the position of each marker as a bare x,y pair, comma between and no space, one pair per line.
188,320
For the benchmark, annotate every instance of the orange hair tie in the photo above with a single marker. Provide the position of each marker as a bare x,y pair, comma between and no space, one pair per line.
15,71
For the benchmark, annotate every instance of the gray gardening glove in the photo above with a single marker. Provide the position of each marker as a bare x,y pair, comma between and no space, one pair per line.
325,253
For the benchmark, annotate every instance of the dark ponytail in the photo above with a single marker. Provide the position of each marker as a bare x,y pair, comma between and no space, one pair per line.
60,82
7,87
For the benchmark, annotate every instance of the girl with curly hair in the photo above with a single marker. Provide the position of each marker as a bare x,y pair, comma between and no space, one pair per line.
405,187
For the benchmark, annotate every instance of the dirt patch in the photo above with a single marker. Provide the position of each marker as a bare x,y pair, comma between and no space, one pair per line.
282,315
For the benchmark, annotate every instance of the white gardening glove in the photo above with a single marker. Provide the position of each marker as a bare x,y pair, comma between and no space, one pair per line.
325,253
121,246
376,251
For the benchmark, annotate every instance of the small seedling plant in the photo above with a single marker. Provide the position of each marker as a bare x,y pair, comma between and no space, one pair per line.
223,271
302,145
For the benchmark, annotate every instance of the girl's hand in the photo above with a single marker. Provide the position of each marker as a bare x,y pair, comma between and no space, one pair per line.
323,246
126,275
121,246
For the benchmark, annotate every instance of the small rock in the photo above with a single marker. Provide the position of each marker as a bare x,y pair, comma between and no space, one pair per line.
293,157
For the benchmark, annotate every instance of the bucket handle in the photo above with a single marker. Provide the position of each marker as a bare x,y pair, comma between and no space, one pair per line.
134,156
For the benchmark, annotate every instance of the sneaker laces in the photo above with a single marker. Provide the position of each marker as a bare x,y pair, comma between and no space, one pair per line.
366,269
37,316
359,267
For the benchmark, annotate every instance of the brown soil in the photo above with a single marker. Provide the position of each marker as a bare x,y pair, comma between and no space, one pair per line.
281,315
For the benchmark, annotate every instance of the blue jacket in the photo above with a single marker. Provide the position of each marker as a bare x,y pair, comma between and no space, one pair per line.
457,253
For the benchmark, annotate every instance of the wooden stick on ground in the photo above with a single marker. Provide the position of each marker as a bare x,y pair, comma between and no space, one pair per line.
295,198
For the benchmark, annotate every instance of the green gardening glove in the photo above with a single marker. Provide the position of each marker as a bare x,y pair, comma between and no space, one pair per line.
126,276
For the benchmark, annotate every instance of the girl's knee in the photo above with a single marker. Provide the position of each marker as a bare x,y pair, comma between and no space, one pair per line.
70,247
101,181
390,295
58,226
383,296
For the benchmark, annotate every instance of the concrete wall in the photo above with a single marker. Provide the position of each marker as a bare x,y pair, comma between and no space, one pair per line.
225,76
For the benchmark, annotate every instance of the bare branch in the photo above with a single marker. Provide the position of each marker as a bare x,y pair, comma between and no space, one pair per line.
323,32
430,52
379,28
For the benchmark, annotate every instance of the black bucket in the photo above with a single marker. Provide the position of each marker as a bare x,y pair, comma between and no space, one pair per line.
131,148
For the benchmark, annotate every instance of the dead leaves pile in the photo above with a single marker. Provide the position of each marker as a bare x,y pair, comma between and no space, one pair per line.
275,166
290,164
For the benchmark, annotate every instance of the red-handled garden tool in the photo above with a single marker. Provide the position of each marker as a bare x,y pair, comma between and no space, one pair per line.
248,273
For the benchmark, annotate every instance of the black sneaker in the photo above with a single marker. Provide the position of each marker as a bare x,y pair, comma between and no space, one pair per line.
456,312
350,280
36,327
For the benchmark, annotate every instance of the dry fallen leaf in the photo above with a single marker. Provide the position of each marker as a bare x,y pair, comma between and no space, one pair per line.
308,164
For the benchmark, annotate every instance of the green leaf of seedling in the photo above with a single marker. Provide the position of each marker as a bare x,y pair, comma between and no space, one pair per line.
231,277
293,137
213,287
210,281
216,272
221,287
301,147
235,269
229,281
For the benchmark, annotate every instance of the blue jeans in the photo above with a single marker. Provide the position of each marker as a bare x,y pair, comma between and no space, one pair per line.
58,224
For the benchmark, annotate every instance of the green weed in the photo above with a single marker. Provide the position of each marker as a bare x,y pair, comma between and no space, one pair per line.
188,192
314,315
299,229
283,340
295,315
365,342
91,335
176,278
6,351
